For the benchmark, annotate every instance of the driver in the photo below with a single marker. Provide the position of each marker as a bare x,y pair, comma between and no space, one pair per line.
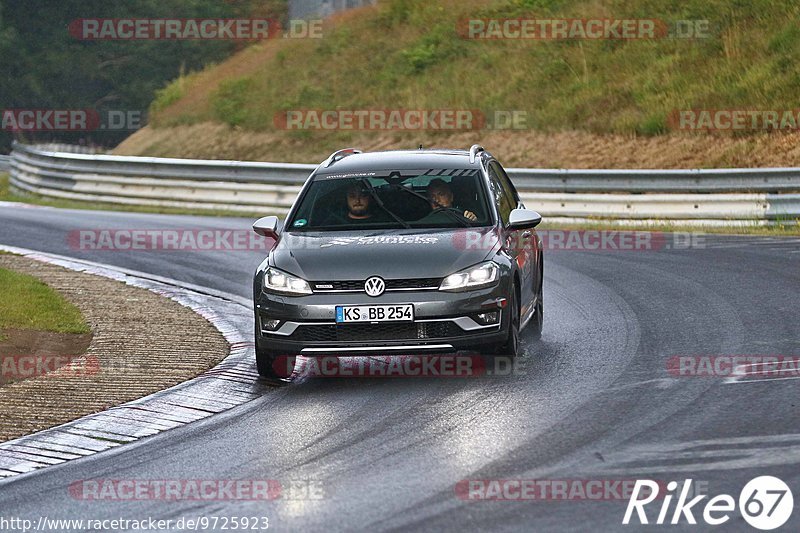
440,196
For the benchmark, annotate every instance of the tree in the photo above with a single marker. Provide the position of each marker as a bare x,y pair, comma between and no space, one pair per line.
45,67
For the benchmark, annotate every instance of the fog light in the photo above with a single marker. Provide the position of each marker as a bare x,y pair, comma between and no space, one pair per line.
270,324
488,318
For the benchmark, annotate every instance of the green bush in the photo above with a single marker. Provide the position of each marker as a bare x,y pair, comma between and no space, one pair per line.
229,102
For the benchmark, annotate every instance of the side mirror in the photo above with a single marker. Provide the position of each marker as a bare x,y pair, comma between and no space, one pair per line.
523,219
267,227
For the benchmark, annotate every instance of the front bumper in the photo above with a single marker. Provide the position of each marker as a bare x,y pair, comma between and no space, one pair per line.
444,322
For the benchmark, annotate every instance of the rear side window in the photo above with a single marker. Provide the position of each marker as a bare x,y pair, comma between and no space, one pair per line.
505,181
503,195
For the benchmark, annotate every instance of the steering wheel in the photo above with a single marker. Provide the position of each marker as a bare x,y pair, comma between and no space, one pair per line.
455,210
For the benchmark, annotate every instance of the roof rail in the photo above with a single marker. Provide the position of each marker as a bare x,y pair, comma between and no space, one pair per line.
341,154
473,152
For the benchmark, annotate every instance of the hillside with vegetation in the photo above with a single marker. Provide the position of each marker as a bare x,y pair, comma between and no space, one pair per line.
601,103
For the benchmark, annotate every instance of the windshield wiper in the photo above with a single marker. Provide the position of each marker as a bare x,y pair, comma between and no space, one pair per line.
371,188
455,216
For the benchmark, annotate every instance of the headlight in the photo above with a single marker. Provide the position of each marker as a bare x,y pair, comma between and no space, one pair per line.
476,277
278,281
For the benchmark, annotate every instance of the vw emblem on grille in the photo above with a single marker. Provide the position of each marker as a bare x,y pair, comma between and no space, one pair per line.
374,286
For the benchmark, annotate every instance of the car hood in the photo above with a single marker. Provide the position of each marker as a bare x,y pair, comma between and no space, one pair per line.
395,254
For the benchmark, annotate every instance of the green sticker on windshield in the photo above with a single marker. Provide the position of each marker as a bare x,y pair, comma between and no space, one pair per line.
301,222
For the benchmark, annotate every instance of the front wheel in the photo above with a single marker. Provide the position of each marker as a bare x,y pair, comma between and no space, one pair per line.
538,320
272,364
510,348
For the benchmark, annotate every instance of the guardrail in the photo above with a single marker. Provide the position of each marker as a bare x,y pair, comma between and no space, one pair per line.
5,162
721,196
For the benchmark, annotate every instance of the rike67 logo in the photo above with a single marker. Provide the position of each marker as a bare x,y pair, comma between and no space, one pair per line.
765,503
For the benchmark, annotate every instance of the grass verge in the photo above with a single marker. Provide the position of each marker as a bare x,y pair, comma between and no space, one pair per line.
27,303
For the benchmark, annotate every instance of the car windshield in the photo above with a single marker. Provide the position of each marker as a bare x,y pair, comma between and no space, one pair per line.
428,198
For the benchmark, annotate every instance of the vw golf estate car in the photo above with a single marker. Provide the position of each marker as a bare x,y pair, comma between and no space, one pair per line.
399,252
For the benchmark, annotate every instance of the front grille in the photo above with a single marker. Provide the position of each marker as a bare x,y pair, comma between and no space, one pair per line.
412,283
376,332
391,284
340,285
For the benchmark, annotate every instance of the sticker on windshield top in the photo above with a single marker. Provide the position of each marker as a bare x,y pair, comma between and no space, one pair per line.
350,175
300,222
394,239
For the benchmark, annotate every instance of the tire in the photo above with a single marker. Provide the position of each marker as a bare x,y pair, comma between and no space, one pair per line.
510,348
538,320
273,365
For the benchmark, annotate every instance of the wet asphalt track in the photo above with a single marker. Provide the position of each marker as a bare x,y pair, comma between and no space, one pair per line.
592,400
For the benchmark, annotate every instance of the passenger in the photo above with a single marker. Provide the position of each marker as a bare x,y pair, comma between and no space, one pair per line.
360,208
359,203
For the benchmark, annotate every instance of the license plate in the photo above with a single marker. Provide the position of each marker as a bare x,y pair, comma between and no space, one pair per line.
374,313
